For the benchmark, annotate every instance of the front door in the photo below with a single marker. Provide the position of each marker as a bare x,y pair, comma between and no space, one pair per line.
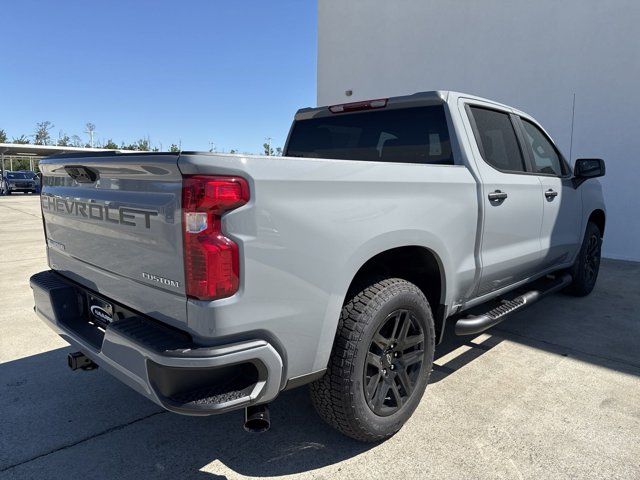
512,199
560,233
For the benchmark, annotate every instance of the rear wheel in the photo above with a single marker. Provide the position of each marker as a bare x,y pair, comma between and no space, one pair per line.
380,363
585,269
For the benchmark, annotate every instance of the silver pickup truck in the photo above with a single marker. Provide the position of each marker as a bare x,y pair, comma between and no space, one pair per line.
211,282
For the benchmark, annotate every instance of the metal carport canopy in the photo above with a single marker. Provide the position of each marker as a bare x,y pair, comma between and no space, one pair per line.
39,151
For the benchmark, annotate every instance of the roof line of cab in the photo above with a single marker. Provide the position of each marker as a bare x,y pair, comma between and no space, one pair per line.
432,97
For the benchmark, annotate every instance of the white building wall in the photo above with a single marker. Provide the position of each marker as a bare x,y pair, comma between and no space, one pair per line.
534,55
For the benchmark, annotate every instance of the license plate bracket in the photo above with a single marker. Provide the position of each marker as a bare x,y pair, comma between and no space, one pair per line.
100,310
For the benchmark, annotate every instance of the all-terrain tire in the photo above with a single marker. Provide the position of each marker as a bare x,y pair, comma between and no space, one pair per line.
587,264
339,396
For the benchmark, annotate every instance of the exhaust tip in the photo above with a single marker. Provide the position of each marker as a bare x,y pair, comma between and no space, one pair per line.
256,418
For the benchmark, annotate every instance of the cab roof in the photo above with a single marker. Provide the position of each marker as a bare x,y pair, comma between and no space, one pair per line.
432,97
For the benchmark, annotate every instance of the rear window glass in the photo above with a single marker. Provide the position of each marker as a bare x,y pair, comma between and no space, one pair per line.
408,135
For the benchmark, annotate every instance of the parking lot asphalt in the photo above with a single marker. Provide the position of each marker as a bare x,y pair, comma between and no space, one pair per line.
554,392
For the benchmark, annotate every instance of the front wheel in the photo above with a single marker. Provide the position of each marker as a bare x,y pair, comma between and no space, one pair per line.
381,361
586,267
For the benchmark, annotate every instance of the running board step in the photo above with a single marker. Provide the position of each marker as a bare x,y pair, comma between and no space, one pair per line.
479,323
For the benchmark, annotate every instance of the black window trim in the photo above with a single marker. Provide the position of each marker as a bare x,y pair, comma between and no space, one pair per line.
456,149
516,121
525,158
529,152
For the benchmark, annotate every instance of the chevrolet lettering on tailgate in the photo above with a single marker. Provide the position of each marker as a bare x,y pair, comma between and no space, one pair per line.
121,215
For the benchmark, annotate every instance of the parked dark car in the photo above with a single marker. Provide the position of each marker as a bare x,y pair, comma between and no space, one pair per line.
17,182
35,176
29,173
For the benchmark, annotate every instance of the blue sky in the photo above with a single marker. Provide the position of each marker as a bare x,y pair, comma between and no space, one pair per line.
231,72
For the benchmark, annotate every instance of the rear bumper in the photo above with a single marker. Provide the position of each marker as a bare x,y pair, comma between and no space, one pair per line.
161,363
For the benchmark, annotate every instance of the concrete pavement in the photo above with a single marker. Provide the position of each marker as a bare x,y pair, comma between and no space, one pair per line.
553,392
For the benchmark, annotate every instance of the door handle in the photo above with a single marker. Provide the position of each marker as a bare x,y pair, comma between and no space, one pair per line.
550,194
497,196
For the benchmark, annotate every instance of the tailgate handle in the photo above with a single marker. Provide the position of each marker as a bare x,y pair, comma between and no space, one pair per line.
82,174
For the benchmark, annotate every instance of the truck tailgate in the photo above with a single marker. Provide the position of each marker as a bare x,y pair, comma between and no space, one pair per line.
113,224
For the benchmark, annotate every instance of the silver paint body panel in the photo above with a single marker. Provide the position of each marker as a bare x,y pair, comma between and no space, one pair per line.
308,228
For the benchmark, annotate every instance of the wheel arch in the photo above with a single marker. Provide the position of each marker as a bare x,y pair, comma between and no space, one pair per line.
416,264
370,253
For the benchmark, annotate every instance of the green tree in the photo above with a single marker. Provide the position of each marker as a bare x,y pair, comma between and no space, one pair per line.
63,139
91,130
42,135
110,144
21,164
22,140
76,141
267,149
174,148
279,151
143,145
233,150
3,136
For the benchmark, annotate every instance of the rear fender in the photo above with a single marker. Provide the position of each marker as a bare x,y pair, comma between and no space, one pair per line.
368,250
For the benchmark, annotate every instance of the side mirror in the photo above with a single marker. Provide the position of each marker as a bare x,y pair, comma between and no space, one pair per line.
586,168
589,168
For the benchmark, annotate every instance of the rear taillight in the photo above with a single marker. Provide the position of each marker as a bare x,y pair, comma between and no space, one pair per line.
211,263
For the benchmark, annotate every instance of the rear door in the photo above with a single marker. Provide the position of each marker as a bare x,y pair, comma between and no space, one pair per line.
560,233
113,224
512,199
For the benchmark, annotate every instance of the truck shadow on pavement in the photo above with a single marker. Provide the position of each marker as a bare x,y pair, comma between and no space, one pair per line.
602,328
60,423
88,424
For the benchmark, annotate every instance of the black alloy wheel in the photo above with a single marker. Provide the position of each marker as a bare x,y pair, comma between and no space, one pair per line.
394,362
592,258
380,362
587,264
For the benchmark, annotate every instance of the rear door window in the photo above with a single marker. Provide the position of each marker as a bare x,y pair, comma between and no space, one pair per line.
406,135
497,141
